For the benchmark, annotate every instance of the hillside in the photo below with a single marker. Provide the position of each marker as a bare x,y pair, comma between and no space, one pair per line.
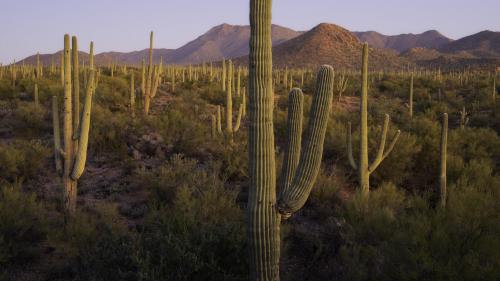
430,39
485,44
330,44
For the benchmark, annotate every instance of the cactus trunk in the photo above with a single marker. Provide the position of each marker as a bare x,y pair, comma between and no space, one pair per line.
442,162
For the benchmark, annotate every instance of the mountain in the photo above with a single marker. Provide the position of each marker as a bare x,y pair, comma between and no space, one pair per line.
431,39
485,44
222,41
331,44
225,41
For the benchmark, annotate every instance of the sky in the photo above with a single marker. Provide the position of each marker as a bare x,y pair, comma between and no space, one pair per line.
30,26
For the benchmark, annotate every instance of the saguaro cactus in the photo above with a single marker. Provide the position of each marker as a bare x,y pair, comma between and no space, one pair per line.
264,211
132,95
442,161
363,168
152,80
341,85
464,120
35,95
410,99
75,144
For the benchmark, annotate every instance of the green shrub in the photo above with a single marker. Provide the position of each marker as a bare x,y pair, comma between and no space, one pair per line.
23,227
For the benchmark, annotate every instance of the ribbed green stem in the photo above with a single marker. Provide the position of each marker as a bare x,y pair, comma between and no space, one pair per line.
263,218
76,89
69,184
295,196
293,140
132,95
364,176
35,90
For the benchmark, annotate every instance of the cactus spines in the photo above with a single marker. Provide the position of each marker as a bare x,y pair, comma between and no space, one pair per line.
442,161
264,212
363,167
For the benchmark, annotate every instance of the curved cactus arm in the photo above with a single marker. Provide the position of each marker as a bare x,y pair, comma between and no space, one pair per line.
380,153
392,144
312,150
352,162
81,156
293,139
238,119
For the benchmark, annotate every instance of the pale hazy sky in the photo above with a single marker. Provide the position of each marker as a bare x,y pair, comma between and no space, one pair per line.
28,26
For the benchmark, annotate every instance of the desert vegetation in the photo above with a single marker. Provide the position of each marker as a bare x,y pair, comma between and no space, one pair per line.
162,171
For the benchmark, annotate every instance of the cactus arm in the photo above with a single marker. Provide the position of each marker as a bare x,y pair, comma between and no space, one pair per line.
392,144
312,150
238,120
57,134
293,139
352,162
76,89
81,156
380,153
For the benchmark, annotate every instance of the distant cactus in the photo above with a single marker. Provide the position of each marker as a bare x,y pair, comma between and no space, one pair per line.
341,85
223,78
363,168
35,95
442,161
132,95
75,138
410,99
464,120
152,79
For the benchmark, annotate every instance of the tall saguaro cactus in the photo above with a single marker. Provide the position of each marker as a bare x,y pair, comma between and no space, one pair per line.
410,99
264,210
442,160
75,138
364,168
152,79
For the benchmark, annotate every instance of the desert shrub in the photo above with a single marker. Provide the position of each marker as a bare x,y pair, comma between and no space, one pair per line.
199,236
22,160
98,246
23,226
31,120
108,132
